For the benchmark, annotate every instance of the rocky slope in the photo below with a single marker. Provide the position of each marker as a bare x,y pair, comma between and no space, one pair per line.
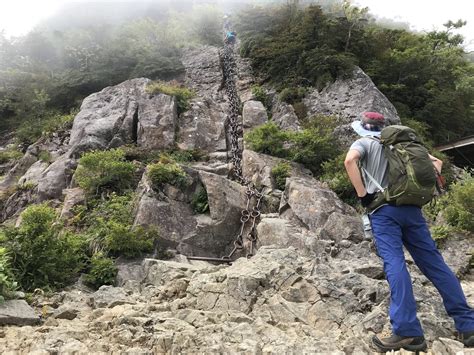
315,284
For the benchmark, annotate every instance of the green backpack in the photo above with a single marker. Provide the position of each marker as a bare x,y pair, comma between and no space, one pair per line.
411,174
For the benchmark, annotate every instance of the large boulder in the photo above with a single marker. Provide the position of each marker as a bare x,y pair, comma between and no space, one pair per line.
121,114
17,312
310,203
180,227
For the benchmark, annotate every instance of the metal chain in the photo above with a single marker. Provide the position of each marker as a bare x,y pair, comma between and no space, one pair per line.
250,215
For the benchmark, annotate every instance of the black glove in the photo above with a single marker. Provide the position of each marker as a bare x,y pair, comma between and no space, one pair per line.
367,199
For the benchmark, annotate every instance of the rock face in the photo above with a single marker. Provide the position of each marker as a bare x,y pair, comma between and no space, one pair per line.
347,99
202,126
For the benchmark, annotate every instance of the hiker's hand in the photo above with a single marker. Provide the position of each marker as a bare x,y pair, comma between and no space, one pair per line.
367,199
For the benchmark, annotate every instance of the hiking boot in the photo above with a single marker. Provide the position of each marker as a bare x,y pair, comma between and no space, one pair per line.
467,339
397,342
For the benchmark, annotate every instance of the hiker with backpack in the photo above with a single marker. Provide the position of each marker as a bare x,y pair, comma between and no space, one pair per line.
230,37
394,175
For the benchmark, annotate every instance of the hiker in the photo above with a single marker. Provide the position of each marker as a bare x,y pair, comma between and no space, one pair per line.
395,226
230,37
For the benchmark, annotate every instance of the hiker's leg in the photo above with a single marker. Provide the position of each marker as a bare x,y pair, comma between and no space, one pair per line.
418,241
388,240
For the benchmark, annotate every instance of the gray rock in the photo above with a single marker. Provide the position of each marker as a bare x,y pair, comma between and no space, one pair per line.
56,178
284,116
17,312
66,312
445,346
202,126
109,297
308,202
72,198
340,226
121,114
257,168
253,114
34,173
157,119
18,170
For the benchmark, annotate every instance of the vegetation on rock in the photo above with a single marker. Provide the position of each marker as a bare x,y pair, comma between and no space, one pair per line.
105,170
182,94
279,173
166,171
42,255
311,147
102,271
200,202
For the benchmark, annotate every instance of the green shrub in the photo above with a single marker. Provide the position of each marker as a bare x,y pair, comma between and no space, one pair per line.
166,171
268,139
293,94
109,227
105,171
58,122
10,155
440,233
48,123
311,146
44,156
200,202
186,155
143,155
102,271
279,173
334,174
315,144
124,240
41,257
182,94
459,211
259,93
7,284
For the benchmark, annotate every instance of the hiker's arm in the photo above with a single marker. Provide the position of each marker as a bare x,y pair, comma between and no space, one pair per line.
352,158
438,164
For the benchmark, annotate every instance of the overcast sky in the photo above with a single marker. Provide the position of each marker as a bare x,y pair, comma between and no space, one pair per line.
19,16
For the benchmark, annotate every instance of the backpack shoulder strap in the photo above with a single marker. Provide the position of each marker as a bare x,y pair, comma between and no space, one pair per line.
381,189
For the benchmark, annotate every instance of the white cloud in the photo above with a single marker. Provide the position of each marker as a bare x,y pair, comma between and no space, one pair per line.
426,15
17,17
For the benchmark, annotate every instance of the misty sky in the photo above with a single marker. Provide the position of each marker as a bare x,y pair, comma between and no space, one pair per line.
19,16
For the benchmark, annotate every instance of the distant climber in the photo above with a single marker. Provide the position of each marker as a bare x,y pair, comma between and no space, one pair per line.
230,37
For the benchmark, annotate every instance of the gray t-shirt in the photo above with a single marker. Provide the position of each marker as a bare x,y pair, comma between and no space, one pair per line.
373,160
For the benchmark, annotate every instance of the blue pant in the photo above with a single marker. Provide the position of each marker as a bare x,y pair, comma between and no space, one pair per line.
395,227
